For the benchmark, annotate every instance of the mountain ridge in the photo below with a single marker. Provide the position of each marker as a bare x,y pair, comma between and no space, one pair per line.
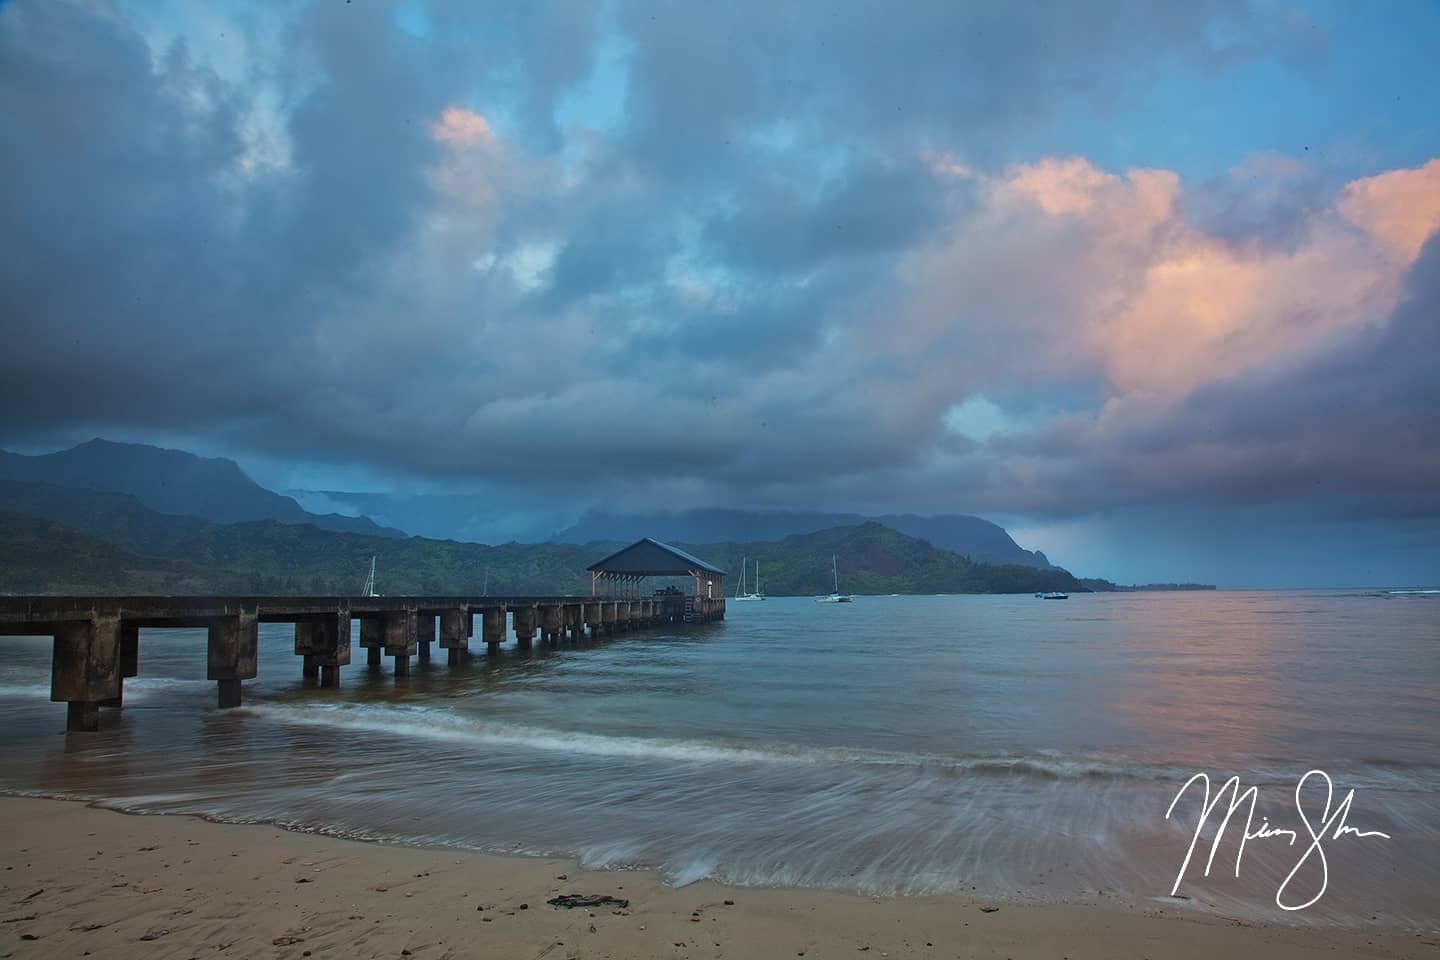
173,482
127,547
976,537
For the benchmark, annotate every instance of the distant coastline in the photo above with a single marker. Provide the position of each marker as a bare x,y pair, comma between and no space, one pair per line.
1105,586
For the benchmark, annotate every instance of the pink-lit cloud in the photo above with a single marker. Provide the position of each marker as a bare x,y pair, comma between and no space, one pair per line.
458,125
1064,269
1400,208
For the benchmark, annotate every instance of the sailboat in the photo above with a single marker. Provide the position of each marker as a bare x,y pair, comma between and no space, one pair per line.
369,589
740,593
837,596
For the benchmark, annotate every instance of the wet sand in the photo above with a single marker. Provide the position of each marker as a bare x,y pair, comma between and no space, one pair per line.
81,881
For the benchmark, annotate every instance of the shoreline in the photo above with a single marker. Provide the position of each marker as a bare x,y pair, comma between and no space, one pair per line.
80,877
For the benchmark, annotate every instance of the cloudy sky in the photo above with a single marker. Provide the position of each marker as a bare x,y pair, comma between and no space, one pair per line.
1153,284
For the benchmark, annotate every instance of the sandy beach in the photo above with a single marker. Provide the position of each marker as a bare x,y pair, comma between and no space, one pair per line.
80,881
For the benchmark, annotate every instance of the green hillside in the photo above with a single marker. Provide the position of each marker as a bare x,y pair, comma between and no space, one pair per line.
41,556
69,540
874,559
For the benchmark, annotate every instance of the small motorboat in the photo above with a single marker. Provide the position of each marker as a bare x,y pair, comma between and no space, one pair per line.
1054,595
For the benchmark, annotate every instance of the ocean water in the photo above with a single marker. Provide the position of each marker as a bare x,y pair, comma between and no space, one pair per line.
1003,747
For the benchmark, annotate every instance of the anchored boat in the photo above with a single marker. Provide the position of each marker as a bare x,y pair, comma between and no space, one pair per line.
837,596
740,593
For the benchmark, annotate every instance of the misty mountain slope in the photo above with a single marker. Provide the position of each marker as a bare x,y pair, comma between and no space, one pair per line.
873,559
975,537
970,536
173,481
118,518
148,551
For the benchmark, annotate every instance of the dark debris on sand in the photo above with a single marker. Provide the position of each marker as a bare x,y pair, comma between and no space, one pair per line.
573,900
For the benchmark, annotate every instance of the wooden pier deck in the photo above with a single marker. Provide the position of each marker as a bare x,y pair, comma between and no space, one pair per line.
97,639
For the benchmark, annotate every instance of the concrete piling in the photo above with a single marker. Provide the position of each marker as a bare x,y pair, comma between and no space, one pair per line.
129,650
401,640
492,628
551,623
524,619
85,669
455,628
372,639
129,664
234,648
82,715
309,668
330,646
424,635
574,615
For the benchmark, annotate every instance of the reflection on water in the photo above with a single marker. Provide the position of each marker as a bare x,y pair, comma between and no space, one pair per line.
897,745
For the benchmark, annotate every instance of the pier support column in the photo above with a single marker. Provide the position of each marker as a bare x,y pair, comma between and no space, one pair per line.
551,622
524,626
330,646
492,628
454,635
591,614
372,638
82,716
234,650
305,651
401,639
128,666
425,634
229,693
574,621
85,669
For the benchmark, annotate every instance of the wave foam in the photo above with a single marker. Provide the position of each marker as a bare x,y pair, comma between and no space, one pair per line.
445,725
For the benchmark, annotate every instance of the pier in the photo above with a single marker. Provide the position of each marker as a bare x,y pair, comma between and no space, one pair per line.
97,639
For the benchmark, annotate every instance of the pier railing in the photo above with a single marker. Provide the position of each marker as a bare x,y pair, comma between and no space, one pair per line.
97,639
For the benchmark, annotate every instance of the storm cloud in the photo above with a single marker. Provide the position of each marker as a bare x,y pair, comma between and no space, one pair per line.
767,256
